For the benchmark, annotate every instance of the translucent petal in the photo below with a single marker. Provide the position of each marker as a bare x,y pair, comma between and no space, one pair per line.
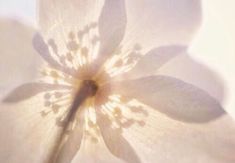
26,136
76,13
173,97
95,152
176,61
163,139
202,133
155,23
156,32
28,90
188,69
115,142
56,62
152,61
69,30
32,124
72,26
69,145
112,26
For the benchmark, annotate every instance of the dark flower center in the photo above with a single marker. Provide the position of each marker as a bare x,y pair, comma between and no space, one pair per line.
89,87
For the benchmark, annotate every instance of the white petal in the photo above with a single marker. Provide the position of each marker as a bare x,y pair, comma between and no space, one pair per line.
54,62
173,97
165,140
26,136
71,13
156,137
151,62
98,152
30,124
29,129
154,23
70,146
98,26
112,26
115,142
28,90
67,27
188,69
18,60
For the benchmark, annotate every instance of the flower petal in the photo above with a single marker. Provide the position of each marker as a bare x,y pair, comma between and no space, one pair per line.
39,114
87,30
19,62
112,25
172,97
26,135
188,69
91,152
71,13
150,63
163,139
154,23
69,30
70,145
43,50
28,90
114,140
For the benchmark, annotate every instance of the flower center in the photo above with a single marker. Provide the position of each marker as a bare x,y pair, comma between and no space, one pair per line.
89,87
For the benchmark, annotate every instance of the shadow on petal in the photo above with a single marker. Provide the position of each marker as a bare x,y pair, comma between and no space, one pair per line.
43,50
173,97
153,60
112,26
154,23
114,140
28,90
188,69
69,145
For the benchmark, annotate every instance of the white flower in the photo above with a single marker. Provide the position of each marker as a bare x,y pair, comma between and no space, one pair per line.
98,97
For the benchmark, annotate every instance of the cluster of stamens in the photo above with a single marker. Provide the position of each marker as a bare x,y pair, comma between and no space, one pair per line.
71,67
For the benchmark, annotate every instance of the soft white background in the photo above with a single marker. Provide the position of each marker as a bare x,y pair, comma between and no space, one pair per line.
19,8
215,41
